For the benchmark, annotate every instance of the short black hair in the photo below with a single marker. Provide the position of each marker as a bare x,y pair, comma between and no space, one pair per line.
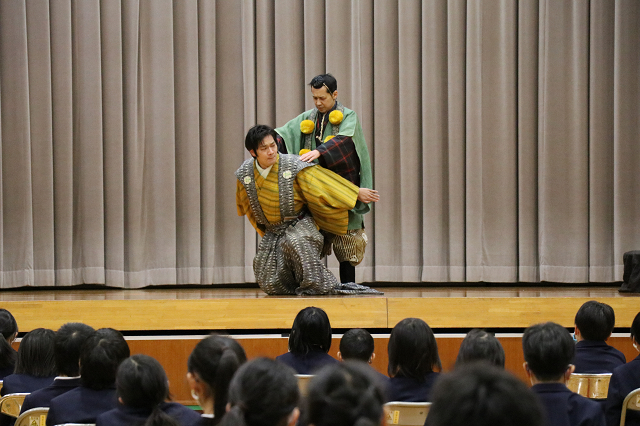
100,357
635,328
214,360
256,134
413,351
35,354
479,345
595,320
344,394
311,330
483,395
262,392
357,343
66,347
323,80
548,350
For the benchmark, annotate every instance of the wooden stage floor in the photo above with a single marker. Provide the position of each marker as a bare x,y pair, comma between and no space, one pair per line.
188,309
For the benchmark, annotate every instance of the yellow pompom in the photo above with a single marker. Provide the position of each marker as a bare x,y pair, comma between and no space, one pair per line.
328,138
335,117
304,151
307,126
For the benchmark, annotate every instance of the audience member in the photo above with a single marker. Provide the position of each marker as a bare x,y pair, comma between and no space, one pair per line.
66,352
344,394
594,325
263,392
478,345
548,352
483,395
623,380
211,366
142,388
100,356
8,355
35,366
309,342
358,345
413,356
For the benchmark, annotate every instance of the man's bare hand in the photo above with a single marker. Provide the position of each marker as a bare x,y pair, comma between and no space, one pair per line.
310,156
367,195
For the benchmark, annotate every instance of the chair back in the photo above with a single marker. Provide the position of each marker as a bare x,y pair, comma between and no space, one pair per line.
407,413
33,417
303,383
631,402
593,386
12,404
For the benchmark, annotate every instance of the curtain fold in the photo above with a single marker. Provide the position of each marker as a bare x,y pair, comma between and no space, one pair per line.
503,135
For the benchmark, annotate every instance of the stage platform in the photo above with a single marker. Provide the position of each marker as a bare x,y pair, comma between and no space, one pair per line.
183,309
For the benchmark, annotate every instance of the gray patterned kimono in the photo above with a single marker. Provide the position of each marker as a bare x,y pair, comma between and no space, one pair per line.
288,260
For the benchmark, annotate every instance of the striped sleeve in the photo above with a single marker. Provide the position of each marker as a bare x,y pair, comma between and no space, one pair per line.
328,196
244,208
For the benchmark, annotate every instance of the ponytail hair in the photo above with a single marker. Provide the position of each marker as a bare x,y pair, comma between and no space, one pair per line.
214,360
263,392
142,383
8,328
344,394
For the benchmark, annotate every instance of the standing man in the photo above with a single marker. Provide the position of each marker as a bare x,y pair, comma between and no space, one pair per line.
287,200
332,135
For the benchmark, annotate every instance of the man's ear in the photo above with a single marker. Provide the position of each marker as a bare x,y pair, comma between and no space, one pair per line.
293,417
340,356
253,153
373,356
335,95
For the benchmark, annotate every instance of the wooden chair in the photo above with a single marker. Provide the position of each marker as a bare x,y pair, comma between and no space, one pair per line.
33,417
407,413
12,403
631,402
303,383
593,386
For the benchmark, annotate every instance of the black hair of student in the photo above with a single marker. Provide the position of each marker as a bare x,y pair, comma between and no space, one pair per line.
358,344
256,134
595,320
344,394
324,79
35,354
214,360
311,330
413,351
8,328
263,392
635,328
479,345
142,383
100,356
483,395
67,344
548,350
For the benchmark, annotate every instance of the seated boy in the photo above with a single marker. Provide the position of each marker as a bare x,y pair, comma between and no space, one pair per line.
357,345
594,325
548,352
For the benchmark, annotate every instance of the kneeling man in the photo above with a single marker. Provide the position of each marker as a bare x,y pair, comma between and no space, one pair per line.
287,200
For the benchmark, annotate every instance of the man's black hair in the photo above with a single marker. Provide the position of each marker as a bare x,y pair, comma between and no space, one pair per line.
548,350
357,344
323,80
256,134
595,321
66,347
480,345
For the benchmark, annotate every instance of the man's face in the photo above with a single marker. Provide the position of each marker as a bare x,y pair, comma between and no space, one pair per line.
323,100
267,152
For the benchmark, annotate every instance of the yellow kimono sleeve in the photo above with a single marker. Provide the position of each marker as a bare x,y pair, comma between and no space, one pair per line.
244,208
328,196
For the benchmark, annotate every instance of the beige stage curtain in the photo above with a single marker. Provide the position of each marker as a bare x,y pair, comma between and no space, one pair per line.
504,134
